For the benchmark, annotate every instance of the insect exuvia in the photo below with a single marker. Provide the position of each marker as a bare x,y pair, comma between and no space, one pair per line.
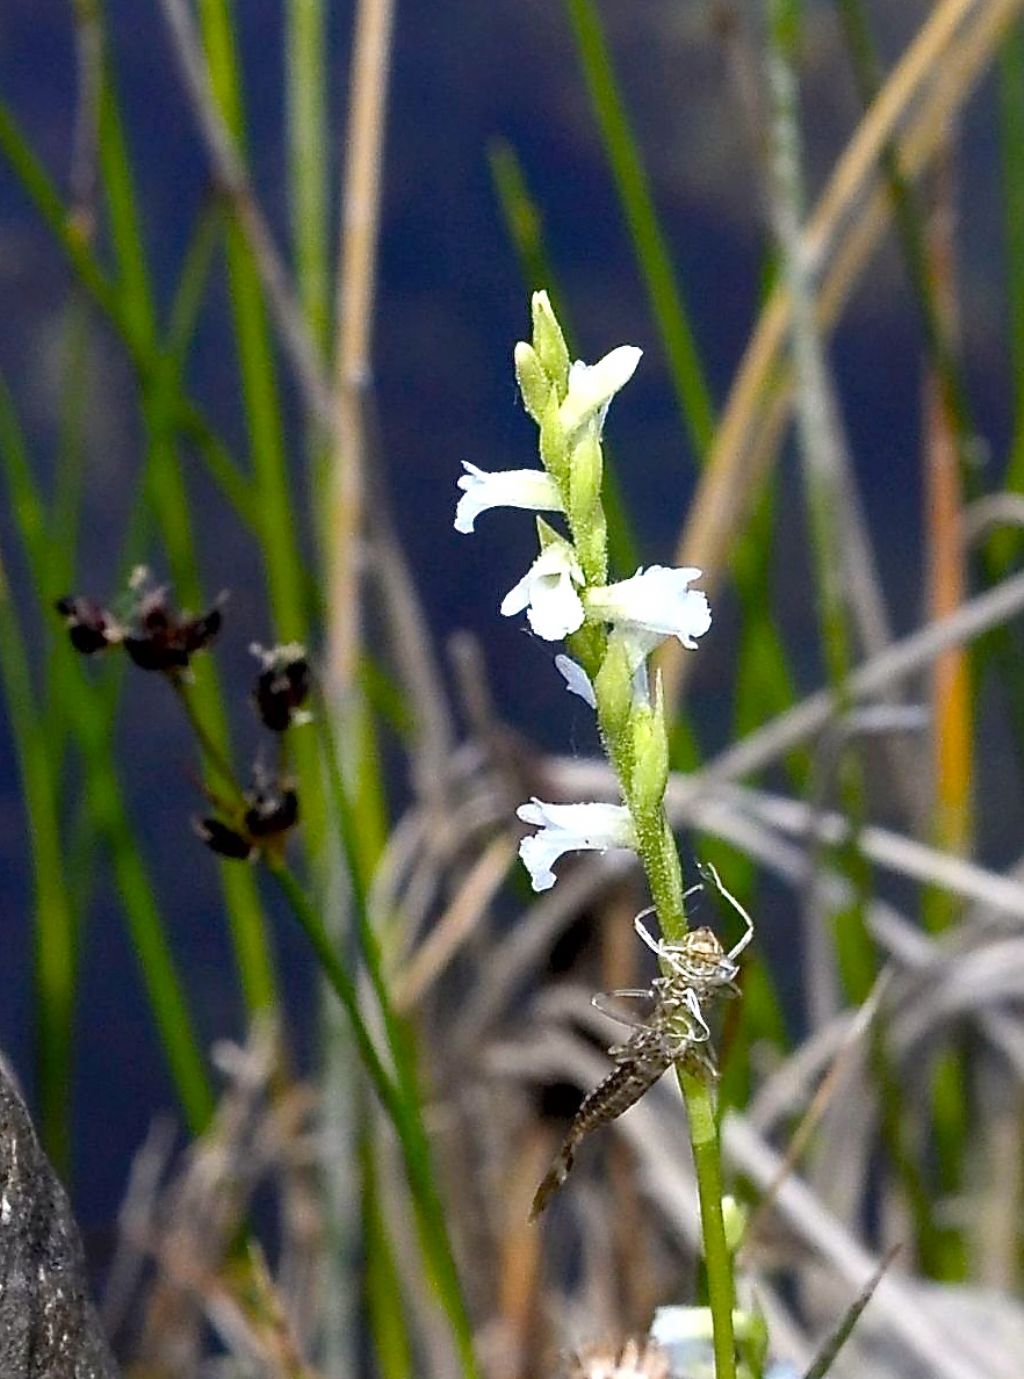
693,969
698,961
674,1032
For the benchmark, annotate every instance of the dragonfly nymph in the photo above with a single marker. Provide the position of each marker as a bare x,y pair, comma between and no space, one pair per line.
675,1032
698,961
693,970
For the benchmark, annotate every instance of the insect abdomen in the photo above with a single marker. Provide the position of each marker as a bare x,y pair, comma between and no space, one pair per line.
616,1093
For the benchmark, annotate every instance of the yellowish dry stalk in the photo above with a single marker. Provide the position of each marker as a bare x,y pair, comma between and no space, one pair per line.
946,564
926,88
357,264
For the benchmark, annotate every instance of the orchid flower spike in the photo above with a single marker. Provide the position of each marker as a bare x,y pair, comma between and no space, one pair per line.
570,828
532,489
548,593
654,604
592,387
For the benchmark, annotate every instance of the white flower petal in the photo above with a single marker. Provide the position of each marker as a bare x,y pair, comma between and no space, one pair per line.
555,610
570,828
577,681
518,597
592,386
548,592
532,489
656,603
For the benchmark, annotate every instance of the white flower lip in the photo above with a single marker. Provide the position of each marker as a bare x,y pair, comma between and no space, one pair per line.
548,592
570,828
532,489
577,681
657,602
592,386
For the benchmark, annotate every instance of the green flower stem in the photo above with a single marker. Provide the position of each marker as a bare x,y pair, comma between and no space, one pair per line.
661,863
664,874
208,746
707,1161
660,858
635,737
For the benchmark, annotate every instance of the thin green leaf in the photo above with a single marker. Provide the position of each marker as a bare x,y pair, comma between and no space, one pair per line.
90,716
54,944
663,291
306,46
188,417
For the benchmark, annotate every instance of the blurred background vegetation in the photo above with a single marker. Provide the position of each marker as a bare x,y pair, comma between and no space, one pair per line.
811,218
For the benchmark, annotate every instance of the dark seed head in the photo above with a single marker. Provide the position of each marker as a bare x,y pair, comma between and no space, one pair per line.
90,627
271,812
283,685
163,640
156,653
197,633
221,839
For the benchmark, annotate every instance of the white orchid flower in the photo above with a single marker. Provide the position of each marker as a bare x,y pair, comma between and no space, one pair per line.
577,681
570,828
533,489
654,604
548,592
592,387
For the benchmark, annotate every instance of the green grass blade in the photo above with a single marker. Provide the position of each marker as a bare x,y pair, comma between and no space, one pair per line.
134,290
284,566
65,507
188,417
146,926
40,189
666,299
285,570
171,507
308,162
1011,139
387,1316
90,713
54,943
412,1136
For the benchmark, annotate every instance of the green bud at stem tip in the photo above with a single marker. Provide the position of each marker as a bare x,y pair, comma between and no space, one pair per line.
549,342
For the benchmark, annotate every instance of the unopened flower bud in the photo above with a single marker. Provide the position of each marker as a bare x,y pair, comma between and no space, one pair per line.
534,385
554,452
614,688
650,758
549,343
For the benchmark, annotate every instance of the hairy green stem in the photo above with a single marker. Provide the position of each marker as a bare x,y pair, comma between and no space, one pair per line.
707,1162
660,857
661,862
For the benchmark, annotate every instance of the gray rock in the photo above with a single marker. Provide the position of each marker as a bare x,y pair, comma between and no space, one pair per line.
48,1327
